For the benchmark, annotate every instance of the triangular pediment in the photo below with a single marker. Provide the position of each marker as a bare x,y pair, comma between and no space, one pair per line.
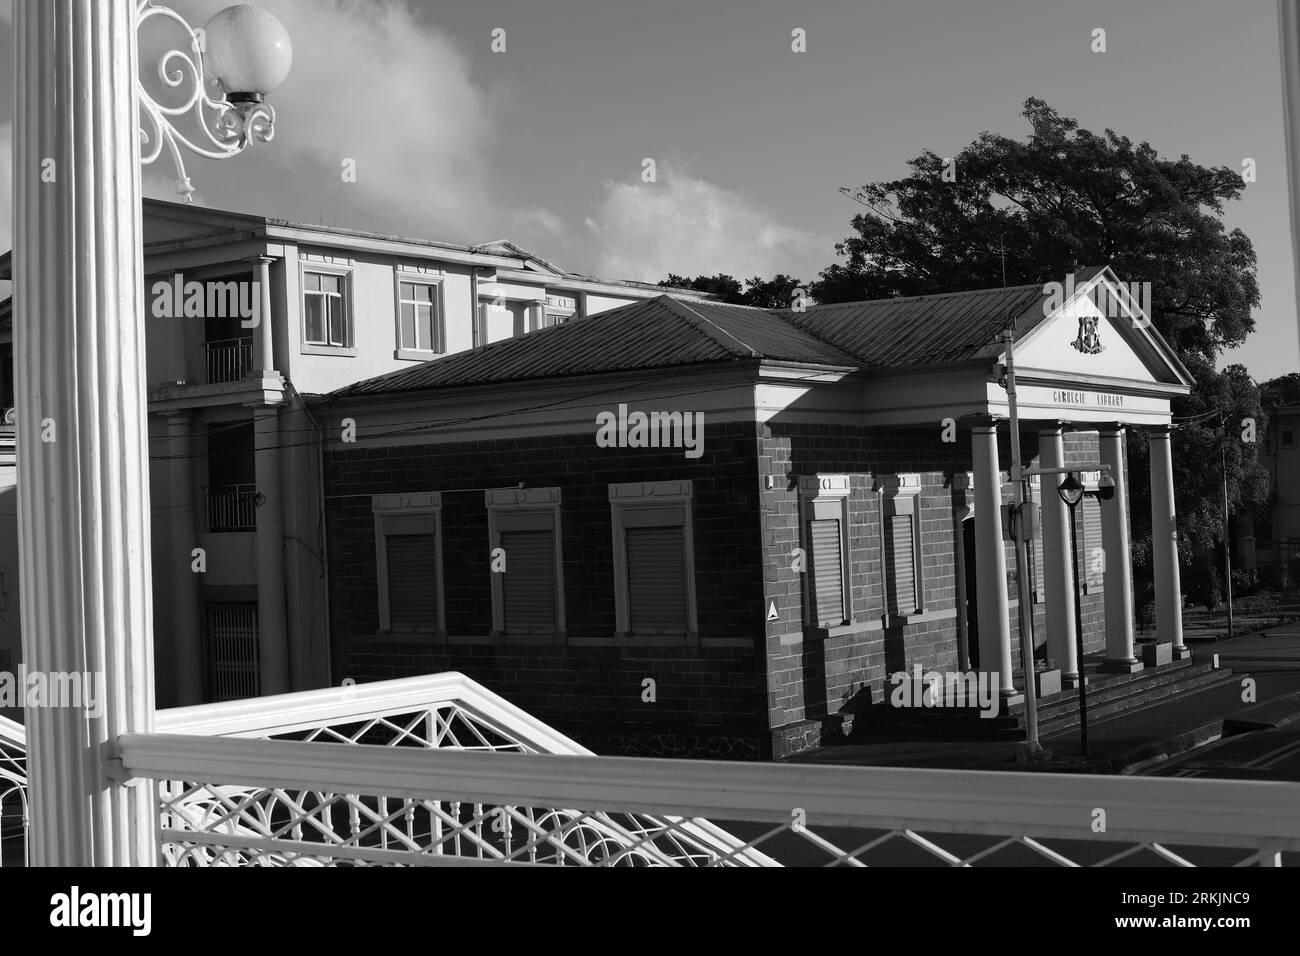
1100,330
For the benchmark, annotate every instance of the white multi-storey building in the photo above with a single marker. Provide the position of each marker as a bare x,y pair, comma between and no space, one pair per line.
238,527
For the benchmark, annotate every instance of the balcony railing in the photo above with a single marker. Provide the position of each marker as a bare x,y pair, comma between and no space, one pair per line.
411,773
232,507
228,360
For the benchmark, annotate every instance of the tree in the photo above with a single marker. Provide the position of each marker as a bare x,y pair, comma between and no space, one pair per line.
774,293
1067,198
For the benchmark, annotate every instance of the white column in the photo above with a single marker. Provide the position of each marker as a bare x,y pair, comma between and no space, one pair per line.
272,631
264,334
186,637
83,477
991,566
1164,545
1117,563
1058,572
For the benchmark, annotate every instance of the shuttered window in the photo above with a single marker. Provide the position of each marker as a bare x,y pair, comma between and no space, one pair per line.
827,570
902,565
1091,561
528,585
1036,564
412,575
656,580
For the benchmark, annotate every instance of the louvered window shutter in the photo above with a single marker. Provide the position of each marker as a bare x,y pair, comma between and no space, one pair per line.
1039,595
656,580
1092,556
528,585
904,579
412,581
828,579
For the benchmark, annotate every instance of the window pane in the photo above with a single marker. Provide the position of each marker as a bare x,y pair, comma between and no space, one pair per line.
311,282
331,284
406,289
424,327
314,306
408,326
337,330
424,293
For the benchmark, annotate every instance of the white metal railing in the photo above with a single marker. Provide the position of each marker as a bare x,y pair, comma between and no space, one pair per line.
232,507
438,770
228,360
13,794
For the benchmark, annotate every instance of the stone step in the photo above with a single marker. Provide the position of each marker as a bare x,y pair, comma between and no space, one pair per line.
1069,720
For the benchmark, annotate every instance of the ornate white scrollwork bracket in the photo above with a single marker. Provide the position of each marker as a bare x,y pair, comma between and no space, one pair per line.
224,129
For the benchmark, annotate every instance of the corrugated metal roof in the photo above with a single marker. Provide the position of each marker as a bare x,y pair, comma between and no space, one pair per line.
917,332
925,330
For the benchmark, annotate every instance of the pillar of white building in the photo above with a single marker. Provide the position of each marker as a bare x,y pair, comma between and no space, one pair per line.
83,476
1117,563
186,637
1058,571
1164,545
991,564
272,629
264,333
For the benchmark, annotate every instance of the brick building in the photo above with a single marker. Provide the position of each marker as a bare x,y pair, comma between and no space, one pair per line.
697,529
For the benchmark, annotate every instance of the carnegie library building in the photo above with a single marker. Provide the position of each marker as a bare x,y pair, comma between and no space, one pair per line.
687,528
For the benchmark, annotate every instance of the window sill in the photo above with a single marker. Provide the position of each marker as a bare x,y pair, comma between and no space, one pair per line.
821,632
417,355
341,351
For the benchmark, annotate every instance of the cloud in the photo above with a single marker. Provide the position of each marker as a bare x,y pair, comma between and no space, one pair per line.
535,221
688,226
373,83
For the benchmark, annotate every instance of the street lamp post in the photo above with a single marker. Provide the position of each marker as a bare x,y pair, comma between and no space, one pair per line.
1071,492
82,427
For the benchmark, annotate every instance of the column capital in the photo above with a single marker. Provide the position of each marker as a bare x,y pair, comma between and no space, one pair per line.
1112,428
1158,431
1050,428
260,259
983,422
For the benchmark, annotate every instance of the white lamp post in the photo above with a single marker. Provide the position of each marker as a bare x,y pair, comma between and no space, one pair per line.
83,493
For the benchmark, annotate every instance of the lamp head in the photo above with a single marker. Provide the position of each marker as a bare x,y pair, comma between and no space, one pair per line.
1070,490
248,52
1105,487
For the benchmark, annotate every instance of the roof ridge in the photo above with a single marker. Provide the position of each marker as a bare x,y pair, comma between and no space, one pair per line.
914,298
677,305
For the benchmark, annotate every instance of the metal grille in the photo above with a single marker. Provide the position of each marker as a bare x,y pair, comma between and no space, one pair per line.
229,360
233,651
232,508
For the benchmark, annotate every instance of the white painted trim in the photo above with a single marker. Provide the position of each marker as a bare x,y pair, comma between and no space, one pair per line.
394,509
435,281
629,496
542,501
824,497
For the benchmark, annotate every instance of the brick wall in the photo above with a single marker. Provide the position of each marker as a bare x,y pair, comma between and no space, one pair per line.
708,698
813,676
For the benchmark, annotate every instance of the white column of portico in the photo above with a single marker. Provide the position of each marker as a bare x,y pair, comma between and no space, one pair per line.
1058,570
83,476
991,563
1117,563
186,637
272,628
1164,544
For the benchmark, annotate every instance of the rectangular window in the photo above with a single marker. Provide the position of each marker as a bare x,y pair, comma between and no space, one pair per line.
654,561
324,306
902,565
824,504
527,577
1092,556
420,319
408,550
827,572
901,544
1288,438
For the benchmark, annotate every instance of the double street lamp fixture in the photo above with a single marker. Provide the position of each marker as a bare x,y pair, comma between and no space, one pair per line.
240,55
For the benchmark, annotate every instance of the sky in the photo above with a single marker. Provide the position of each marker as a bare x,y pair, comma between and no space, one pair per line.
545,142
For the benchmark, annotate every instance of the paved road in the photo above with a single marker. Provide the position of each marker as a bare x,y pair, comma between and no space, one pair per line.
1260,755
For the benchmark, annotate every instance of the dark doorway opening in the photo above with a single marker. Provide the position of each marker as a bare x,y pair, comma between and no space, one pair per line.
972,609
